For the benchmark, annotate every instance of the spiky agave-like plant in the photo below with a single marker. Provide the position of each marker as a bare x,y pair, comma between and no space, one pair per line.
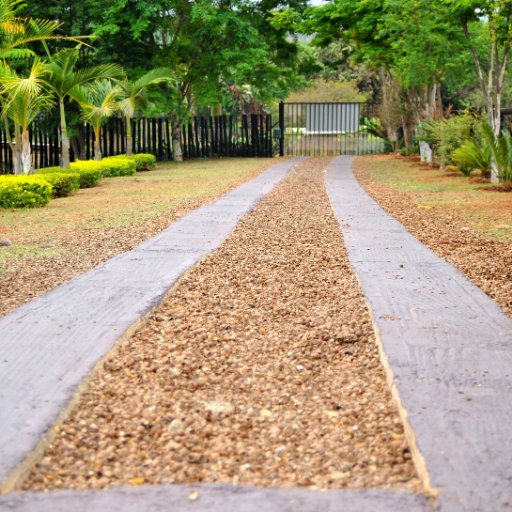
501,149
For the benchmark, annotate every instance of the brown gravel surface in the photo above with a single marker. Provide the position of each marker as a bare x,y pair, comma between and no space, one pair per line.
73,252
261,368
484,260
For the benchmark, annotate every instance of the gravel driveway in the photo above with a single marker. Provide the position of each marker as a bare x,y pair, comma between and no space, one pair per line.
261,368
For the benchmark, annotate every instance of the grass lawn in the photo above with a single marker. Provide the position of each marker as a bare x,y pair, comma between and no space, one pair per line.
484,210
118,202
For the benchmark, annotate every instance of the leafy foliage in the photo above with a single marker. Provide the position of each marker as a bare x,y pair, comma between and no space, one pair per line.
24,191
116,166
325,91
501,149
447,135
87,177
107,167
472,155
63,183
143,161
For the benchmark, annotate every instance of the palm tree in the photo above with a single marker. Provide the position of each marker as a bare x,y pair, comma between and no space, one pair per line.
63,78
22,98
134,97
98,101
16,31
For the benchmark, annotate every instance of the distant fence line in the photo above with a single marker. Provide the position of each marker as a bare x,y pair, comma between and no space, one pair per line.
213,136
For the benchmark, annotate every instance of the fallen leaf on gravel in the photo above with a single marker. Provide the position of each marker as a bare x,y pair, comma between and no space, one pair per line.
137,481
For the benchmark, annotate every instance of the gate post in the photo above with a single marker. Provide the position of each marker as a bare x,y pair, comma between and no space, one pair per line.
281,128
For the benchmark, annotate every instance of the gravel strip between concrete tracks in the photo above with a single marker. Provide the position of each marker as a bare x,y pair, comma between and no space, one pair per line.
261,368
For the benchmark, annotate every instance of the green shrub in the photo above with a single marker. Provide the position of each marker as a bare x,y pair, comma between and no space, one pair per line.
63,183
117,166
143,161
501,148
24,191
88,178
471,156
447,135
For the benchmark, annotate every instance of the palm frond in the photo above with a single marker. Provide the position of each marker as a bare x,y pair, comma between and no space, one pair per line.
153,77
501,148
9,9
101,100
473,156
18,54
128,106
134,93
102,71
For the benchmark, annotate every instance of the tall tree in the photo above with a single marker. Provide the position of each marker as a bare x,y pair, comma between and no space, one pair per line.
98,101
495,17
62,78
407,42
134,97
214,47
23,97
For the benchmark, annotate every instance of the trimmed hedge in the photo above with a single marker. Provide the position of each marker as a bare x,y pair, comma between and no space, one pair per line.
118,166
24,191
143,161
112,166
88,178
63,183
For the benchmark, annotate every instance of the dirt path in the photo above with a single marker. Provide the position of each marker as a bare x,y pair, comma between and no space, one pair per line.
260,369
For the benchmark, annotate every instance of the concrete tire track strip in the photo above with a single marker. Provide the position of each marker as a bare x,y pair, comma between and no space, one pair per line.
447,350
446,346
49,346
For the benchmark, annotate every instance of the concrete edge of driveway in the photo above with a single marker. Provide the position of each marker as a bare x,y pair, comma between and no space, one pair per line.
51,345
216,498
447,350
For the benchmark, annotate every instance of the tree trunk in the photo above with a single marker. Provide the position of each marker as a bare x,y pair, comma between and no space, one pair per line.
78,143
493,87
176,140
97,144
64,153
16,151
129,136
393,137
406,127
16,160
27,165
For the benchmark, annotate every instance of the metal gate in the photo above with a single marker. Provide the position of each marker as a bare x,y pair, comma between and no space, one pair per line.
328,129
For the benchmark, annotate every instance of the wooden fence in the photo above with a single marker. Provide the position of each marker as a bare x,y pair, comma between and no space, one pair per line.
202,137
